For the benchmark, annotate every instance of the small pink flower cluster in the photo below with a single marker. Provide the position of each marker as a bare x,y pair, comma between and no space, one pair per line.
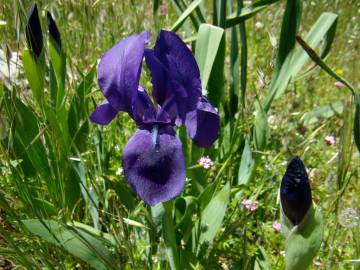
276,226
330,140
206,162
250,205
339,84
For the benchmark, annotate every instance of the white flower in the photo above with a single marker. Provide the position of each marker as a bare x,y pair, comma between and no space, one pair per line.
259,25
119,171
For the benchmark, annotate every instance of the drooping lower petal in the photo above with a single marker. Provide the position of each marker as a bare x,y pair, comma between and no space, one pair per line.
203,124
295,192
103,114
119,71
154,165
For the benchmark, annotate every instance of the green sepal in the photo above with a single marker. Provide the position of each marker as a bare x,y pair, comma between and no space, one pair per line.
34,72
302,241
58,62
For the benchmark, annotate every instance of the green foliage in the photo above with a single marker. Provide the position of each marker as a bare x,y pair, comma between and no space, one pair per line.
210,53
64,201
303,241
88,245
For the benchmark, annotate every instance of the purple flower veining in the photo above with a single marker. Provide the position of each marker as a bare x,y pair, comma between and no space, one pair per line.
153,159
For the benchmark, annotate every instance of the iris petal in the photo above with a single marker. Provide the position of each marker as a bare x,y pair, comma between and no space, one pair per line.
160,78
203,124
154,166
119,71
103,114
173,62
295,192
142,109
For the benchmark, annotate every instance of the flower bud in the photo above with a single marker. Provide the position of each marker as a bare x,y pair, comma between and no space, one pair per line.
53,31
295,192
33,32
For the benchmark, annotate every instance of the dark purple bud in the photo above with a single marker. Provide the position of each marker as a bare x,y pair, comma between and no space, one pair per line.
154,165
295,192
53,31
33,32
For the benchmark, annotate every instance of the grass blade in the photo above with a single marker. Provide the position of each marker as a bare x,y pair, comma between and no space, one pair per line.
185,15
316,58
248,12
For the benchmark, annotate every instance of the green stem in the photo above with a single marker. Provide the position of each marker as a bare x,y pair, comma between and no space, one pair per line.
169,236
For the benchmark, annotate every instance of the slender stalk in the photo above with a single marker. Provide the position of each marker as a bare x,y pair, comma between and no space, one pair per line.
169,236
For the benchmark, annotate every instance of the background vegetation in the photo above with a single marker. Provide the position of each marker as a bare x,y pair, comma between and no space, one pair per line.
56,165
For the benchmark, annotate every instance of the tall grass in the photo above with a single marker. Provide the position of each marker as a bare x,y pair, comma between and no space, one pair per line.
64,202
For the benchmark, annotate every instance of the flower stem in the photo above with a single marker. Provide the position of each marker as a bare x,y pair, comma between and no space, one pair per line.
169,236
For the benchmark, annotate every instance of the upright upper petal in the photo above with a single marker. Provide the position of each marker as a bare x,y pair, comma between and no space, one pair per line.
142,108
154,165
203,124
178,65
119,71
159,77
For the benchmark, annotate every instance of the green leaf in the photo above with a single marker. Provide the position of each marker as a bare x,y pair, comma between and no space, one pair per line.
247,165
58,62
184,15
289,28
322,112
316,58
78,123
169,235
34,73
357,121
124,193
323,30
235,71
219,15
304,240
244,54
156,4
77,241
248,12
345,145
185,208
210,55
27,136
213,215
261,128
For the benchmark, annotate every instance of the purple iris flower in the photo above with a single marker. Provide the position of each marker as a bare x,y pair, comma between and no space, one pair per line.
295,192
153,159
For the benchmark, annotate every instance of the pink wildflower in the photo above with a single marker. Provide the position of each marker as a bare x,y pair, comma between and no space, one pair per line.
339,84
206,162
250,205
330,140
276,226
